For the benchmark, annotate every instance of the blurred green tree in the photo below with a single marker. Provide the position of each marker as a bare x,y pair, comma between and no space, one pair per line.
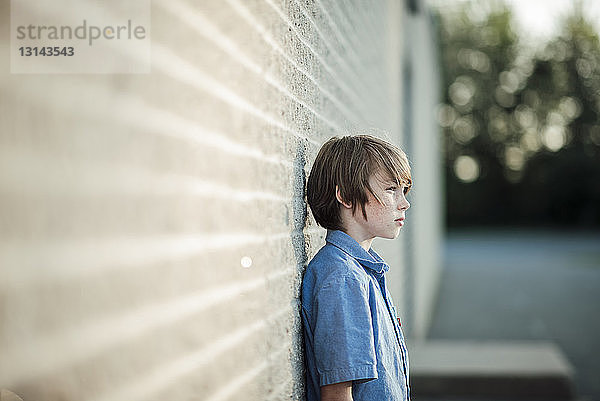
562,180
520,129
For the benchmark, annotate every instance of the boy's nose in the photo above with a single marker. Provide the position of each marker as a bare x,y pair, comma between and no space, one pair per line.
404,204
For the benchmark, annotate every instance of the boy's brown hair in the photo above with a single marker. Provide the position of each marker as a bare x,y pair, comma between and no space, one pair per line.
348,163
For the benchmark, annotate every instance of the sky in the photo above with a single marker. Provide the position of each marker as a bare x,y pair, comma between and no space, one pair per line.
539,19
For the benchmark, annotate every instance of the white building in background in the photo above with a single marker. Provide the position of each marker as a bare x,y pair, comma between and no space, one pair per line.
422,92
154,227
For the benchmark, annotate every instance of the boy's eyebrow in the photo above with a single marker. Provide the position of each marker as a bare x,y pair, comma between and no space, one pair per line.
393,181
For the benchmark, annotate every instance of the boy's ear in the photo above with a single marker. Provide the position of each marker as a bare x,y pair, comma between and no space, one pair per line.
338,196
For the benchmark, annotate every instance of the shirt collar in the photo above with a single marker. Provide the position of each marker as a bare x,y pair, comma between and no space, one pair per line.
346,243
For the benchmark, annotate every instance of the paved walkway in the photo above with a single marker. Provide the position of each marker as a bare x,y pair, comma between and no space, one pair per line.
525,285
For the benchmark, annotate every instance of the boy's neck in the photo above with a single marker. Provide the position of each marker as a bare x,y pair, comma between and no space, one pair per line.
365,243
355,230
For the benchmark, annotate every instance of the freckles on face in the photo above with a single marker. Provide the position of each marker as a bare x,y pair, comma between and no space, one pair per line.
384,210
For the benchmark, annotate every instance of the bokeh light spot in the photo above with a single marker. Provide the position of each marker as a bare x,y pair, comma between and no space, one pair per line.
464,130
466,168
525,116
504,98
509,81
246,262
446,115
554,137
514,158
595,135
570,107
462,90
584,68
531,141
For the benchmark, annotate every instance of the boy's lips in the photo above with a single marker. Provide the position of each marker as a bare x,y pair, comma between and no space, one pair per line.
400,221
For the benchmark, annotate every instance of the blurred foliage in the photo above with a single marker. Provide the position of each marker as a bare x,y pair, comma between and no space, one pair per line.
521,132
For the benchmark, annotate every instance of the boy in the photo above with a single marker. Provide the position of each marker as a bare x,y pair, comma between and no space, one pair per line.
354,345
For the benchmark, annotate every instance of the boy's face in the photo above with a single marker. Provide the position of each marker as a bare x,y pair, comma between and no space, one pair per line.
385,218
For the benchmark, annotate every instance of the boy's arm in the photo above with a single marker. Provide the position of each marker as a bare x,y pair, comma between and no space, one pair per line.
343,338
337,392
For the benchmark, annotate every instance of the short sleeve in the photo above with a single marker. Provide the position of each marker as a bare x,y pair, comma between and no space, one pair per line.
343,332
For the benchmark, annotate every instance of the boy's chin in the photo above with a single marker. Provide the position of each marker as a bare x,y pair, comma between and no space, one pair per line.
391,235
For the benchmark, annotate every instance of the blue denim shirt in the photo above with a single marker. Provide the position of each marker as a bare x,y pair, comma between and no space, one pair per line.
351,330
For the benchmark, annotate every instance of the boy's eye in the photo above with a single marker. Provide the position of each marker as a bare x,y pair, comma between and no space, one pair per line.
391,188
405,190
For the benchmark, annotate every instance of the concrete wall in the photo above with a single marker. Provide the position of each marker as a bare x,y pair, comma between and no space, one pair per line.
130,204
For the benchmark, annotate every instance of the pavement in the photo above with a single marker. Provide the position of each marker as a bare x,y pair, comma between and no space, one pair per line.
514,286
492,369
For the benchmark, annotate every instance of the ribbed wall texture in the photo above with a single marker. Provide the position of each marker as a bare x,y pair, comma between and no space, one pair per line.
130,204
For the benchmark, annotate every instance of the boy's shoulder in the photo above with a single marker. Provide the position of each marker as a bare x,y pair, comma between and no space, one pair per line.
332,263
